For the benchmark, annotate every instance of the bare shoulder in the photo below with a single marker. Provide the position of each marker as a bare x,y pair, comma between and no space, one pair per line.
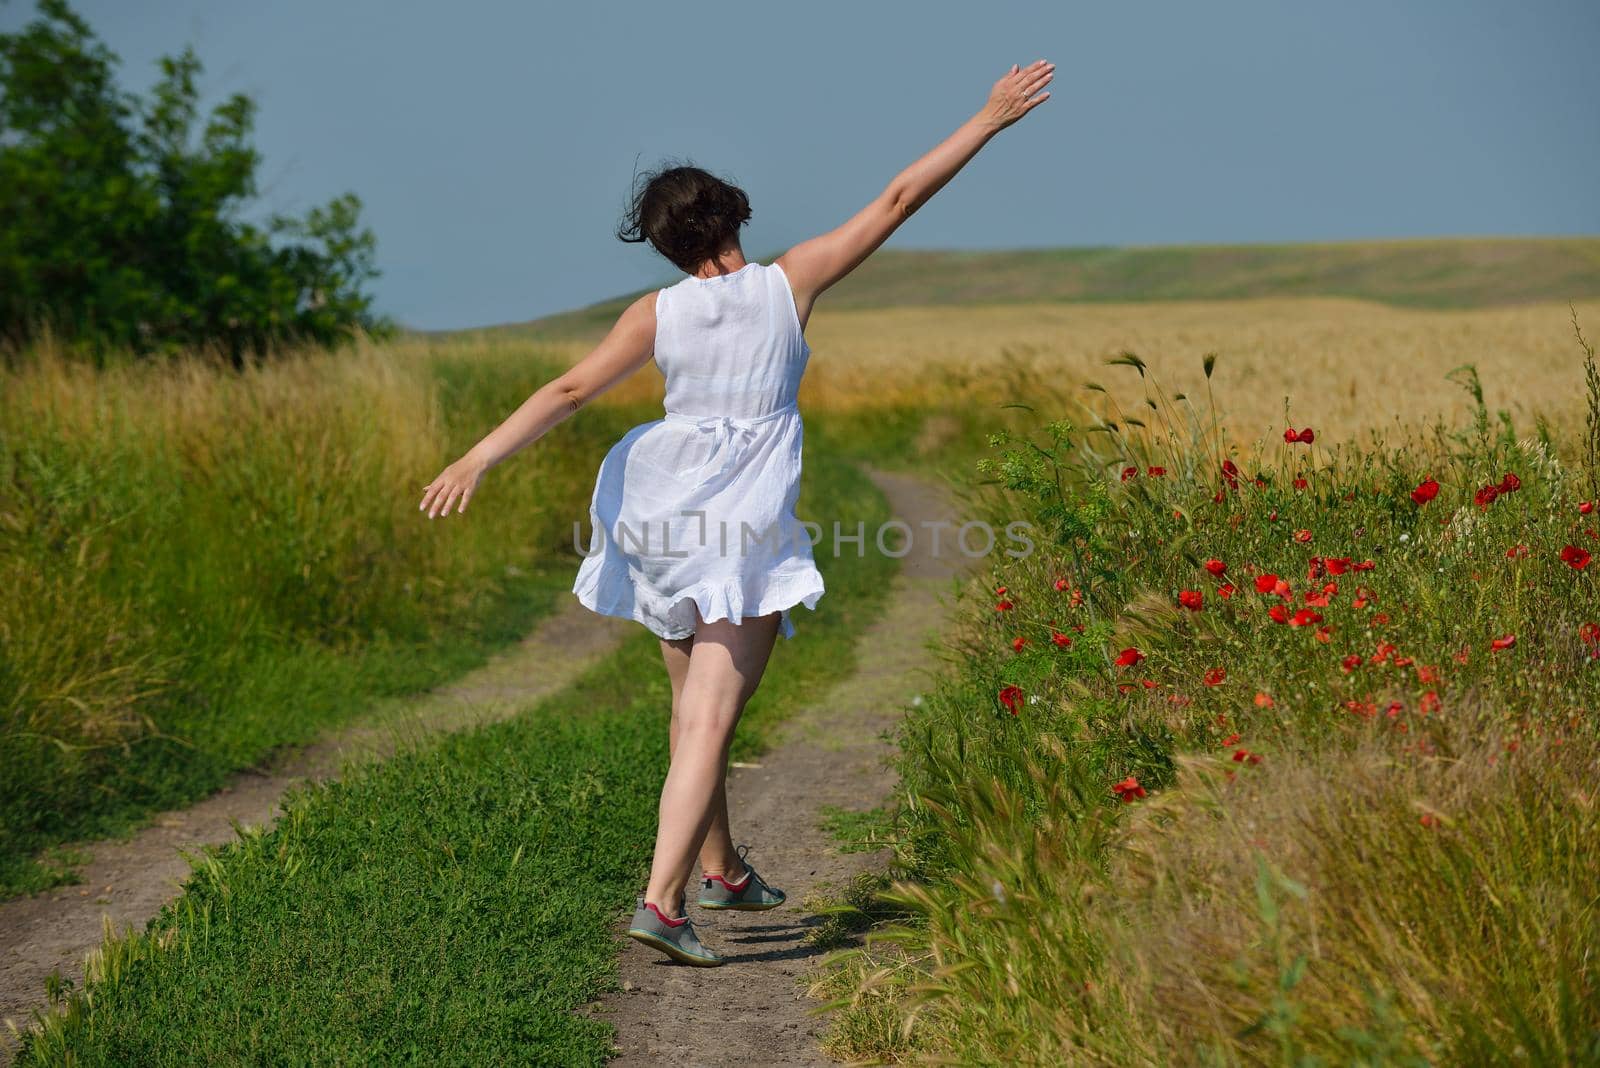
644,308
638,320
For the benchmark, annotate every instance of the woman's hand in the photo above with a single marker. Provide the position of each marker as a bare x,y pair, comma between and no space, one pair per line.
1013,96
460,479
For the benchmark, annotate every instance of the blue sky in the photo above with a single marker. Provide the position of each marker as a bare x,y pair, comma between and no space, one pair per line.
493,143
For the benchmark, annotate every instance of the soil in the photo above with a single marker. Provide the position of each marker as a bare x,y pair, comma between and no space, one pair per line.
126,881
834,753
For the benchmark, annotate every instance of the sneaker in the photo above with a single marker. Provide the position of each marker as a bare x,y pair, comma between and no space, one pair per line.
675,938
749,894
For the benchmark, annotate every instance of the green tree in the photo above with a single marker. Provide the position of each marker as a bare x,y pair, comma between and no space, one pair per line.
120,217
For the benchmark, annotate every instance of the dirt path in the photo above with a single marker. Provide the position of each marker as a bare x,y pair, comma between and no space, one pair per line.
128,880
752,1009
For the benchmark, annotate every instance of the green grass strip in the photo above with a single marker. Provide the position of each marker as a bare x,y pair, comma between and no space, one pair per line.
456,904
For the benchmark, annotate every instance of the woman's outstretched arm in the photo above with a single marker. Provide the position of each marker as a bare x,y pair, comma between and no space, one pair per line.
812,266
626,348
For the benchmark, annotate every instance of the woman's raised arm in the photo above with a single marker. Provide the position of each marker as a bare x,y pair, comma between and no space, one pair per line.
626,348
812,266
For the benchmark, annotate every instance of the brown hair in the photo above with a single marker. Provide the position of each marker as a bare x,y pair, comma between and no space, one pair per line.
687,214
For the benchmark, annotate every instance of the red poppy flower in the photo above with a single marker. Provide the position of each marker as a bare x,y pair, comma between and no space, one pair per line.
1155,472
1266,583
1317,600
1279,613
1509,484
1427,491
1011,697
1324,635
1428,819
1264,700
1017,645
1215,676
1216,567
1304,437
1128,657
1485,497
1060,639
1225,590
1128,789
1575,558
1351,662
1004,606
1230,474
1516,552
1586,507
1427,673
1300,483
1381,618
1430,702
1402,661
1193,600
1229,740
1394,709
1304,618
1503,643
1129,472
1302,535
1385,651
1061,585
1000,591
1337,565
1590,633
1365,565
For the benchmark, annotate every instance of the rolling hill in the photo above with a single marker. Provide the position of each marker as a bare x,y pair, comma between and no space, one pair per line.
1431,273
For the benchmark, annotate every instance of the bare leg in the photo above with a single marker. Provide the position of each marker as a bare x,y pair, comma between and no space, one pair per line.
725,665
717,854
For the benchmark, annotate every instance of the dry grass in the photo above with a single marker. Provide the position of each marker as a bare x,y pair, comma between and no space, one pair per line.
1254,913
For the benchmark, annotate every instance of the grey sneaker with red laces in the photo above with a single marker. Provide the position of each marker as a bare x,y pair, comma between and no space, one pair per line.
674,937
747,894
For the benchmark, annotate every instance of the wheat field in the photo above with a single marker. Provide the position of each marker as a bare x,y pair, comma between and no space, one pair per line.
1344,366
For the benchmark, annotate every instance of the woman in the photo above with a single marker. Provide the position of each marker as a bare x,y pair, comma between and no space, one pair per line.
694,527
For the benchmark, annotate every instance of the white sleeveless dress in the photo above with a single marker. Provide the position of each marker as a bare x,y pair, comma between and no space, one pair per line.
697,509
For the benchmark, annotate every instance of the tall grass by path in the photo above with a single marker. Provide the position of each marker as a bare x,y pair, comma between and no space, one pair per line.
1282,755
204,565
456,904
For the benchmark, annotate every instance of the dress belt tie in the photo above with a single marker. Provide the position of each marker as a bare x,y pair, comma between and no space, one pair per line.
729,434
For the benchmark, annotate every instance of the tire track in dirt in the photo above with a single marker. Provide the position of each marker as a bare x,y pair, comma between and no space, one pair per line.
831,753
128,880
